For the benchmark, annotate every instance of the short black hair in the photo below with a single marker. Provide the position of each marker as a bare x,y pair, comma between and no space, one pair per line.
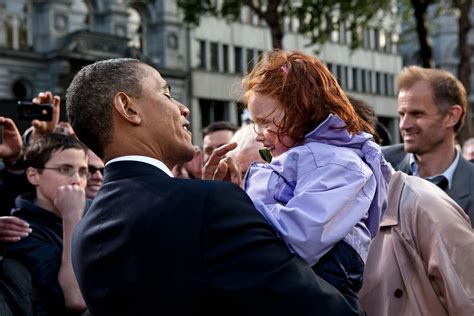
219,126
41,149
90,94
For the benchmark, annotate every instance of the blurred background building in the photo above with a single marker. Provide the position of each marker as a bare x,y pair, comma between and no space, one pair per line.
43,43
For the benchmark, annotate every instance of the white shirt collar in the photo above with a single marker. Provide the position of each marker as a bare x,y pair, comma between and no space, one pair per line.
151,161
448,173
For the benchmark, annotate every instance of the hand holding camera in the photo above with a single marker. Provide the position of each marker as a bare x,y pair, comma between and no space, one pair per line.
43,113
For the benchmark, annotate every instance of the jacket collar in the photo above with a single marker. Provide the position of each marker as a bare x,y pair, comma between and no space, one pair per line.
395,188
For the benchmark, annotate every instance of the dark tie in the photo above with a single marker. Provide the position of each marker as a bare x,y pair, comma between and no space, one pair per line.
440,181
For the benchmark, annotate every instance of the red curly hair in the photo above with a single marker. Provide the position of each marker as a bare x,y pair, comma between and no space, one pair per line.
305,89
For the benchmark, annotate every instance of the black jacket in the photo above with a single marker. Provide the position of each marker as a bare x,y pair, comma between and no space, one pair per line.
155,245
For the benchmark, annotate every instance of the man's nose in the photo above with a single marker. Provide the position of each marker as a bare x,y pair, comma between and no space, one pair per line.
405,122
184,110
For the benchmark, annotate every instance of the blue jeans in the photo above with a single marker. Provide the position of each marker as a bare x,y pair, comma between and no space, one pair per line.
343,268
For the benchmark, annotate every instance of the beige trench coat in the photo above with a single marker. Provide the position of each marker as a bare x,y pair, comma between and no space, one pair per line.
422,260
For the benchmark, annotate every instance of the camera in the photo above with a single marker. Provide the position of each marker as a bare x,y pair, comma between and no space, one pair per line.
28,111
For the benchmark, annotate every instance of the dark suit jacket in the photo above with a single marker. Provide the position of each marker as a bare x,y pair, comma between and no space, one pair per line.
462,187
151,244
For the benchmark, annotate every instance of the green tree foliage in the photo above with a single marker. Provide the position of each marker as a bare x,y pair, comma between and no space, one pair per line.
317,18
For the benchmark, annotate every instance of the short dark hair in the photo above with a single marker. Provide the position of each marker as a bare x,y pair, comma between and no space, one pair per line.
40,150
219,126
90,94
367,114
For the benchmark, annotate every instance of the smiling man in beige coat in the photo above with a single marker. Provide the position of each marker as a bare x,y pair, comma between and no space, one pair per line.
421,262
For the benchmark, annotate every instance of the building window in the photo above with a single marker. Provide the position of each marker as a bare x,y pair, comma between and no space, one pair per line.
250,59
225,57
383,41
369,82
378,83
213,110
394,41
202,55
133,29
335,32
345,83
214,56
388,43
386,84
329,67
238,60
355,80
339,74
366,42
342,33
363,76
376,40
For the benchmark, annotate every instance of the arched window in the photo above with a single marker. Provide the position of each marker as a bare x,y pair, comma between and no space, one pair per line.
135,29
14,24
79,16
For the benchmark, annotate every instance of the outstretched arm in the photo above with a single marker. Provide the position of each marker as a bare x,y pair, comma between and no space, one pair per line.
70,202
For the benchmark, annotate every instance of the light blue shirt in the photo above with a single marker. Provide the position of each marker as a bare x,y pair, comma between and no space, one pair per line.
151,161
448,173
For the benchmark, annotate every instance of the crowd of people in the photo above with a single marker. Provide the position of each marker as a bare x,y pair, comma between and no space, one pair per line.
118,213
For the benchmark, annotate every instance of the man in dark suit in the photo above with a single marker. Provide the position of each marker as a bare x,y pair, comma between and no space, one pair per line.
152,244
432,105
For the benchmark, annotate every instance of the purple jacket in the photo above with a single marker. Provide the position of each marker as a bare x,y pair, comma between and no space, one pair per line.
332,186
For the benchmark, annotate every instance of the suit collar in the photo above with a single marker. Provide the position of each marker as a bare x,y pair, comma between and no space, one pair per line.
152,161
128,168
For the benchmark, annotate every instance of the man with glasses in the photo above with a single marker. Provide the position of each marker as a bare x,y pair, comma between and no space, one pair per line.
96,170
57,167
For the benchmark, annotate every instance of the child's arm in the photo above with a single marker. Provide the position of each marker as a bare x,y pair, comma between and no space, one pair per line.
325,205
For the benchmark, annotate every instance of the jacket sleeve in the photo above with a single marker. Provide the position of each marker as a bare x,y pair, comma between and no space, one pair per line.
43,261
249,263
326,204
445,241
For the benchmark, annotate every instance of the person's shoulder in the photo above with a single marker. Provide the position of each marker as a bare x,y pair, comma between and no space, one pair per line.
424,200
465,165
396,149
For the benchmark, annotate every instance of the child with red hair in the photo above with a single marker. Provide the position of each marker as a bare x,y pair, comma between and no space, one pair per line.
325,189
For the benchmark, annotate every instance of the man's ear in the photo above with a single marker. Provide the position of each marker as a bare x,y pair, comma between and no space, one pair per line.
453,115
32,175
127,109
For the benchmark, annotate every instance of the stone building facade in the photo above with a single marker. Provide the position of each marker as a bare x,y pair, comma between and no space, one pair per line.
43,43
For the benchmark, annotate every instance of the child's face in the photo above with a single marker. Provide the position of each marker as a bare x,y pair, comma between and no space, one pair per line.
266,113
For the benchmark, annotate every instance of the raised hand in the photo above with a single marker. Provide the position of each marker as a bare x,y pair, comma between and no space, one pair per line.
220,167
70,202
46,127
10,148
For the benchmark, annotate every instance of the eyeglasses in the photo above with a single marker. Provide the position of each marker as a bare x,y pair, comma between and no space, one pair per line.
93,170
70,171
